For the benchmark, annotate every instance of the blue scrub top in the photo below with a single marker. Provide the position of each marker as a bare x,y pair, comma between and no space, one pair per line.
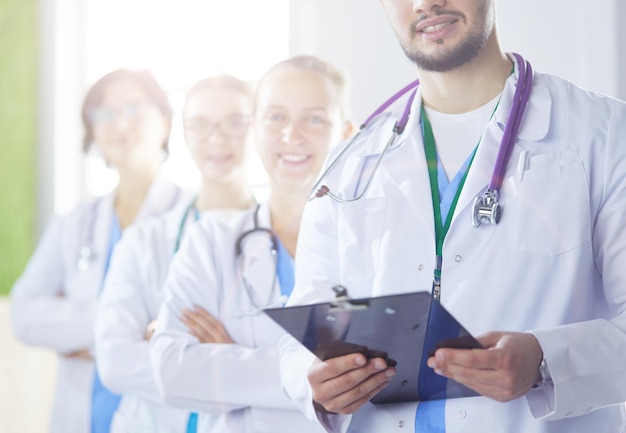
285,269
104,402
430,416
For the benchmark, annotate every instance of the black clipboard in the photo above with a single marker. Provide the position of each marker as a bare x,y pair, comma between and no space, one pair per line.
403,329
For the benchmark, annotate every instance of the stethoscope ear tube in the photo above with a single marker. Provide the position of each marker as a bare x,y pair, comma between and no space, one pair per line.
319,190
324,190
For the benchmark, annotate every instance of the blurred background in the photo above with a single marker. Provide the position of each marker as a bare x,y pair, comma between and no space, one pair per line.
51,51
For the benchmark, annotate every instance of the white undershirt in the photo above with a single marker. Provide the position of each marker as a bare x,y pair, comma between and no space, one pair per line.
456,135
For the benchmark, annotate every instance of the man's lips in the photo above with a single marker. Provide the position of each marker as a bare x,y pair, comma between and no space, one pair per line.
435,24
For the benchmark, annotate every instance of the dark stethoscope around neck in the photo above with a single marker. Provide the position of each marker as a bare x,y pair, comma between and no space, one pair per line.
239,253
486,209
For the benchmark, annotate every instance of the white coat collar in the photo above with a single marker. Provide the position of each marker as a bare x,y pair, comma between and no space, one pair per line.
163,195
536,121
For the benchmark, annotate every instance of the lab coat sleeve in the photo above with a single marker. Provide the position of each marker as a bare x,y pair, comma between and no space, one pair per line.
317,260
586,359
42,313
213,378
122,354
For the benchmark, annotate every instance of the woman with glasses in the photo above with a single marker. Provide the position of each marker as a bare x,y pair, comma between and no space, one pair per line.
228,272
127,119
216,119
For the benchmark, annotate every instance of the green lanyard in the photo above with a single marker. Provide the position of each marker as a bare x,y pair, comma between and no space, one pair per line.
196,215
431,159
440,229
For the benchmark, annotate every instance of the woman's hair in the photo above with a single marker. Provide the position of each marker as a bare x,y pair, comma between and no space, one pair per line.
221,82
144,80
337,76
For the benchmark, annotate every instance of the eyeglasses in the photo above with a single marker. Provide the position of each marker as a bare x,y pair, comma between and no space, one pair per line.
128,111
313,122
233,126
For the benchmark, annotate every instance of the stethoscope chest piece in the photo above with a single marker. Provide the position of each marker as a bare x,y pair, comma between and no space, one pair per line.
85,256
486,209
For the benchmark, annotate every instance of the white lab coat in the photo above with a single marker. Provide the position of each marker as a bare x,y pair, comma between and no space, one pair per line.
237,384
130,300
554,265
132,295
41,317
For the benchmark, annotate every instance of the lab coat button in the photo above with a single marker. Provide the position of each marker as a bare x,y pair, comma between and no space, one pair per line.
420,267
401,424
462,414
458,258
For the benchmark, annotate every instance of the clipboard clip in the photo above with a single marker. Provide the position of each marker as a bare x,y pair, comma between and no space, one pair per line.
344,303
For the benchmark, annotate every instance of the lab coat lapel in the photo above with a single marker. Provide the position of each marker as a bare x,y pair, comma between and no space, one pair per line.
407,168
258,262
534,127
102,214
163,195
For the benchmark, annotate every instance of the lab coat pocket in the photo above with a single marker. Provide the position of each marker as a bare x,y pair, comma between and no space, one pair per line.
548,212
360,232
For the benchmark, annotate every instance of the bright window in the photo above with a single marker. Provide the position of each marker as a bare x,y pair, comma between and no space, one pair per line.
180,42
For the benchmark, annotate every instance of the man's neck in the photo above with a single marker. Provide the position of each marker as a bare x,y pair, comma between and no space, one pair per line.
468,87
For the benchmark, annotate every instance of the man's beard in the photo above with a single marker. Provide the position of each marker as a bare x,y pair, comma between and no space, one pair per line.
451,59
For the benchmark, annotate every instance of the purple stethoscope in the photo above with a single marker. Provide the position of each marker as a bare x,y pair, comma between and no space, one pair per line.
486,208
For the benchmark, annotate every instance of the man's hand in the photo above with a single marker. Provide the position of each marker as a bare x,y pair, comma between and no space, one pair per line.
344,384
505,370
204,326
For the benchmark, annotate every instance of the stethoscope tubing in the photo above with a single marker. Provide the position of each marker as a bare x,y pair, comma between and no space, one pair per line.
405,116
256,228
514,120
319,190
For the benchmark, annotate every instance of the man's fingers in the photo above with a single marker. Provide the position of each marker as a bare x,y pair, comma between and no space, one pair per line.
506,370
351,400
322,371
356,405
345,383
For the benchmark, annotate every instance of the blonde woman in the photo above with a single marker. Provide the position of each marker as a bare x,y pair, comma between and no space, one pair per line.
226,273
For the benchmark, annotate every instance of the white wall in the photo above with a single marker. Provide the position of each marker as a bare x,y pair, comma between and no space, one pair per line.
570,38
355,35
